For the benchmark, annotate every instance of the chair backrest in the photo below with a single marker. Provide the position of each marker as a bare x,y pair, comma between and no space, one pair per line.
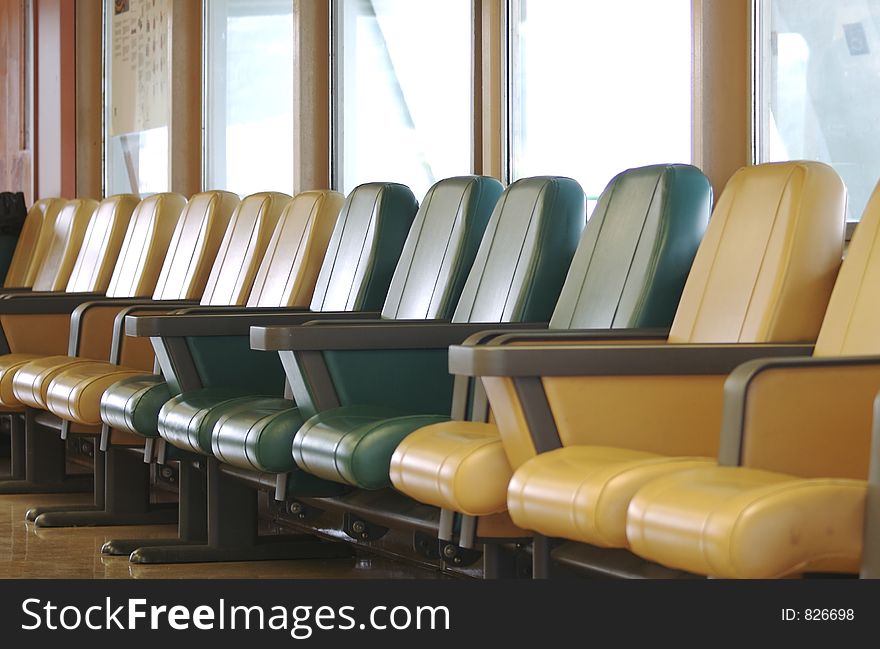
852,321
244,244
525,253
32,241
364,248
145,245
636,250
194,245
768,261
440,248
101,244
289,270
63,244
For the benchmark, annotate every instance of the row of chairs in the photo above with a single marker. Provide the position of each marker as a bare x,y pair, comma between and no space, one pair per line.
587,382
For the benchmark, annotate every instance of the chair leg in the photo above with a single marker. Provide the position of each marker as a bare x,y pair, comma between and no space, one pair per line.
44,464
232,531
192,521
125,497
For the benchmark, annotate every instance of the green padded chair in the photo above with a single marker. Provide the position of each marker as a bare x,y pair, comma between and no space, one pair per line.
385,387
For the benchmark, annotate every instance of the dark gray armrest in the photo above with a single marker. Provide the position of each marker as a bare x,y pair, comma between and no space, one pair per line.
538,336
221,324
125,306
609,360
411,334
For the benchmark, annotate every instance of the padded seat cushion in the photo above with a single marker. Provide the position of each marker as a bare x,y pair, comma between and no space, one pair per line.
9,366
31,382
75,392
188,420
258,435
353,444
734,522
132,405
454,465
582,493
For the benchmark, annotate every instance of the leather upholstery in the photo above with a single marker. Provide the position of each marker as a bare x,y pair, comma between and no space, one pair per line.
628,272
539,220
439,249
375,218
302,235
746,523
31,244
797,501
633,259
439,252
762,274
149,229
194,245
101,244
368,225
778,290
243,246
582,492
63,246
146,244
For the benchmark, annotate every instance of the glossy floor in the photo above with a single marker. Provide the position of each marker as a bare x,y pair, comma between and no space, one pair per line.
27,552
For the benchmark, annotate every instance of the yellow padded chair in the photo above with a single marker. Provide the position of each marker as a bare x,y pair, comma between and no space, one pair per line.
789,496
123,233
582,426
32,242
285,277
62,245
280,268
170,248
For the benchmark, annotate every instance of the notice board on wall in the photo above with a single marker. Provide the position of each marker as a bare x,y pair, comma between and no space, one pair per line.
140,33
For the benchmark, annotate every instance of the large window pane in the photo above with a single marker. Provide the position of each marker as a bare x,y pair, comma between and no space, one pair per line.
137,70
403,91
819,88
598,87
249,95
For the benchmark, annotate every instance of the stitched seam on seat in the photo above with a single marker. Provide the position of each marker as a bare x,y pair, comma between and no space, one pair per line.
457,263
305,237
380,222
861,284
345,219
409,266
580,295
711,270
253,245
636,249
540,236
788,247
497,225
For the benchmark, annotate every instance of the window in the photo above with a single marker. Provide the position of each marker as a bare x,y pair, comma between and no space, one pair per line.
598,87
248,68
137,70
818,87
402,85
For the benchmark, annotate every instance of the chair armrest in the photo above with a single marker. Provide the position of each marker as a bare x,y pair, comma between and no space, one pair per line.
38,303
495,359
338,336
809,417
221,324
122,306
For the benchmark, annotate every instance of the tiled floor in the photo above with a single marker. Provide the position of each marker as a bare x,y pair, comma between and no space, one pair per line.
27,552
